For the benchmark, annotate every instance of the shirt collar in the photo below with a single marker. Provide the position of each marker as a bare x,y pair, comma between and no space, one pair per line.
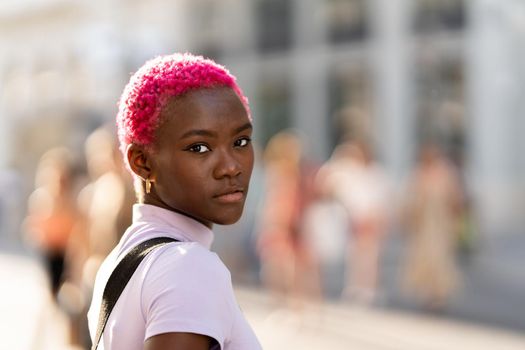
190,229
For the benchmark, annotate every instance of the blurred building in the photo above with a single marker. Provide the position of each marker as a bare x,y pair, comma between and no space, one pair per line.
395,72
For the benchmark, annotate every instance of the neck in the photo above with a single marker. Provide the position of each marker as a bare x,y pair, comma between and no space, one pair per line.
153,199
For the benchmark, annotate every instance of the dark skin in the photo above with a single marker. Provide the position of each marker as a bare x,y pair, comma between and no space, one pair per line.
200,166
178,341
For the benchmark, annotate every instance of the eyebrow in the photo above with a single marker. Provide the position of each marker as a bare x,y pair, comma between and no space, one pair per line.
204,132
198,132
243,127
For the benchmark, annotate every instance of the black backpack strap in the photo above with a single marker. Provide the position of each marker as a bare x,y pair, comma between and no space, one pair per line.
120,277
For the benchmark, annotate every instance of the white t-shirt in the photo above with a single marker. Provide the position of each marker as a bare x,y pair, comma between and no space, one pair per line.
179,287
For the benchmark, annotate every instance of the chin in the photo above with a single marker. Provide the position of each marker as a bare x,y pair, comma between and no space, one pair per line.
226,222
230,220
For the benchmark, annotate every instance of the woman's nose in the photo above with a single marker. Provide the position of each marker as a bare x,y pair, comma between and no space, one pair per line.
227,165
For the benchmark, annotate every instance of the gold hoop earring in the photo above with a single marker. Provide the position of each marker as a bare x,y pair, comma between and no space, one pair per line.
148,185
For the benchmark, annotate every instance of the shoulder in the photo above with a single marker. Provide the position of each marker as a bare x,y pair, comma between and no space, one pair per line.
186,288
186,256
185,266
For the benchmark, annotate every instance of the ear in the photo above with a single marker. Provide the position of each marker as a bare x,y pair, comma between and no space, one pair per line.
140,162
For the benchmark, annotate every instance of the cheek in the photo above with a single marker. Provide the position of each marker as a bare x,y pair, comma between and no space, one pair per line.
190,181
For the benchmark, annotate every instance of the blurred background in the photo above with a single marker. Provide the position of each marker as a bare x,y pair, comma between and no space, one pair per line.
388,133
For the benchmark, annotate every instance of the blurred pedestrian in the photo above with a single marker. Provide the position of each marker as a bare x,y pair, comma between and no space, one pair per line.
325,227
106,200
431,214
105,203
185,131
353,178
53,217
288,268
55,225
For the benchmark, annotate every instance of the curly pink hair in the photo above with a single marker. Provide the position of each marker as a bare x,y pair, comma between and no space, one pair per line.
155,83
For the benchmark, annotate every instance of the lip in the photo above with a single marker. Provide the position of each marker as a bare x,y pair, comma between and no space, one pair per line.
230,196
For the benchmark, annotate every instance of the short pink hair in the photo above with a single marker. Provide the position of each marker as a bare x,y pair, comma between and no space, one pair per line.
155,83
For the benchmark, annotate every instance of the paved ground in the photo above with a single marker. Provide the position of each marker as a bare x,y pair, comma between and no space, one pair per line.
29,319
337,326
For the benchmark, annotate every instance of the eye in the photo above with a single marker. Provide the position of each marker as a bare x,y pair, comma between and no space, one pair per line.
199,148
242,142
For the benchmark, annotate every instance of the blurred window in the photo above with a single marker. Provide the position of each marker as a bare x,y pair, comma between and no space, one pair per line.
432,15
440,105
273,24
274,106
349,103
206,28
346,20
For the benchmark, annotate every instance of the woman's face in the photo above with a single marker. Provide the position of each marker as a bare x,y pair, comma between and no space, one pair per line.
203,157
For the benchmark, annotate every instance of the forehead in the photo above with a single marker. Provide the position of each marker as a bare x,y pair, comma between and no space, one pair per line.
217,108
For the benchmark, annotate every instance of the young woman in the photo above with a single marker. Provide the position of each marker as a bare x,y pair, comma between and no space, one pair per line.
184,127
